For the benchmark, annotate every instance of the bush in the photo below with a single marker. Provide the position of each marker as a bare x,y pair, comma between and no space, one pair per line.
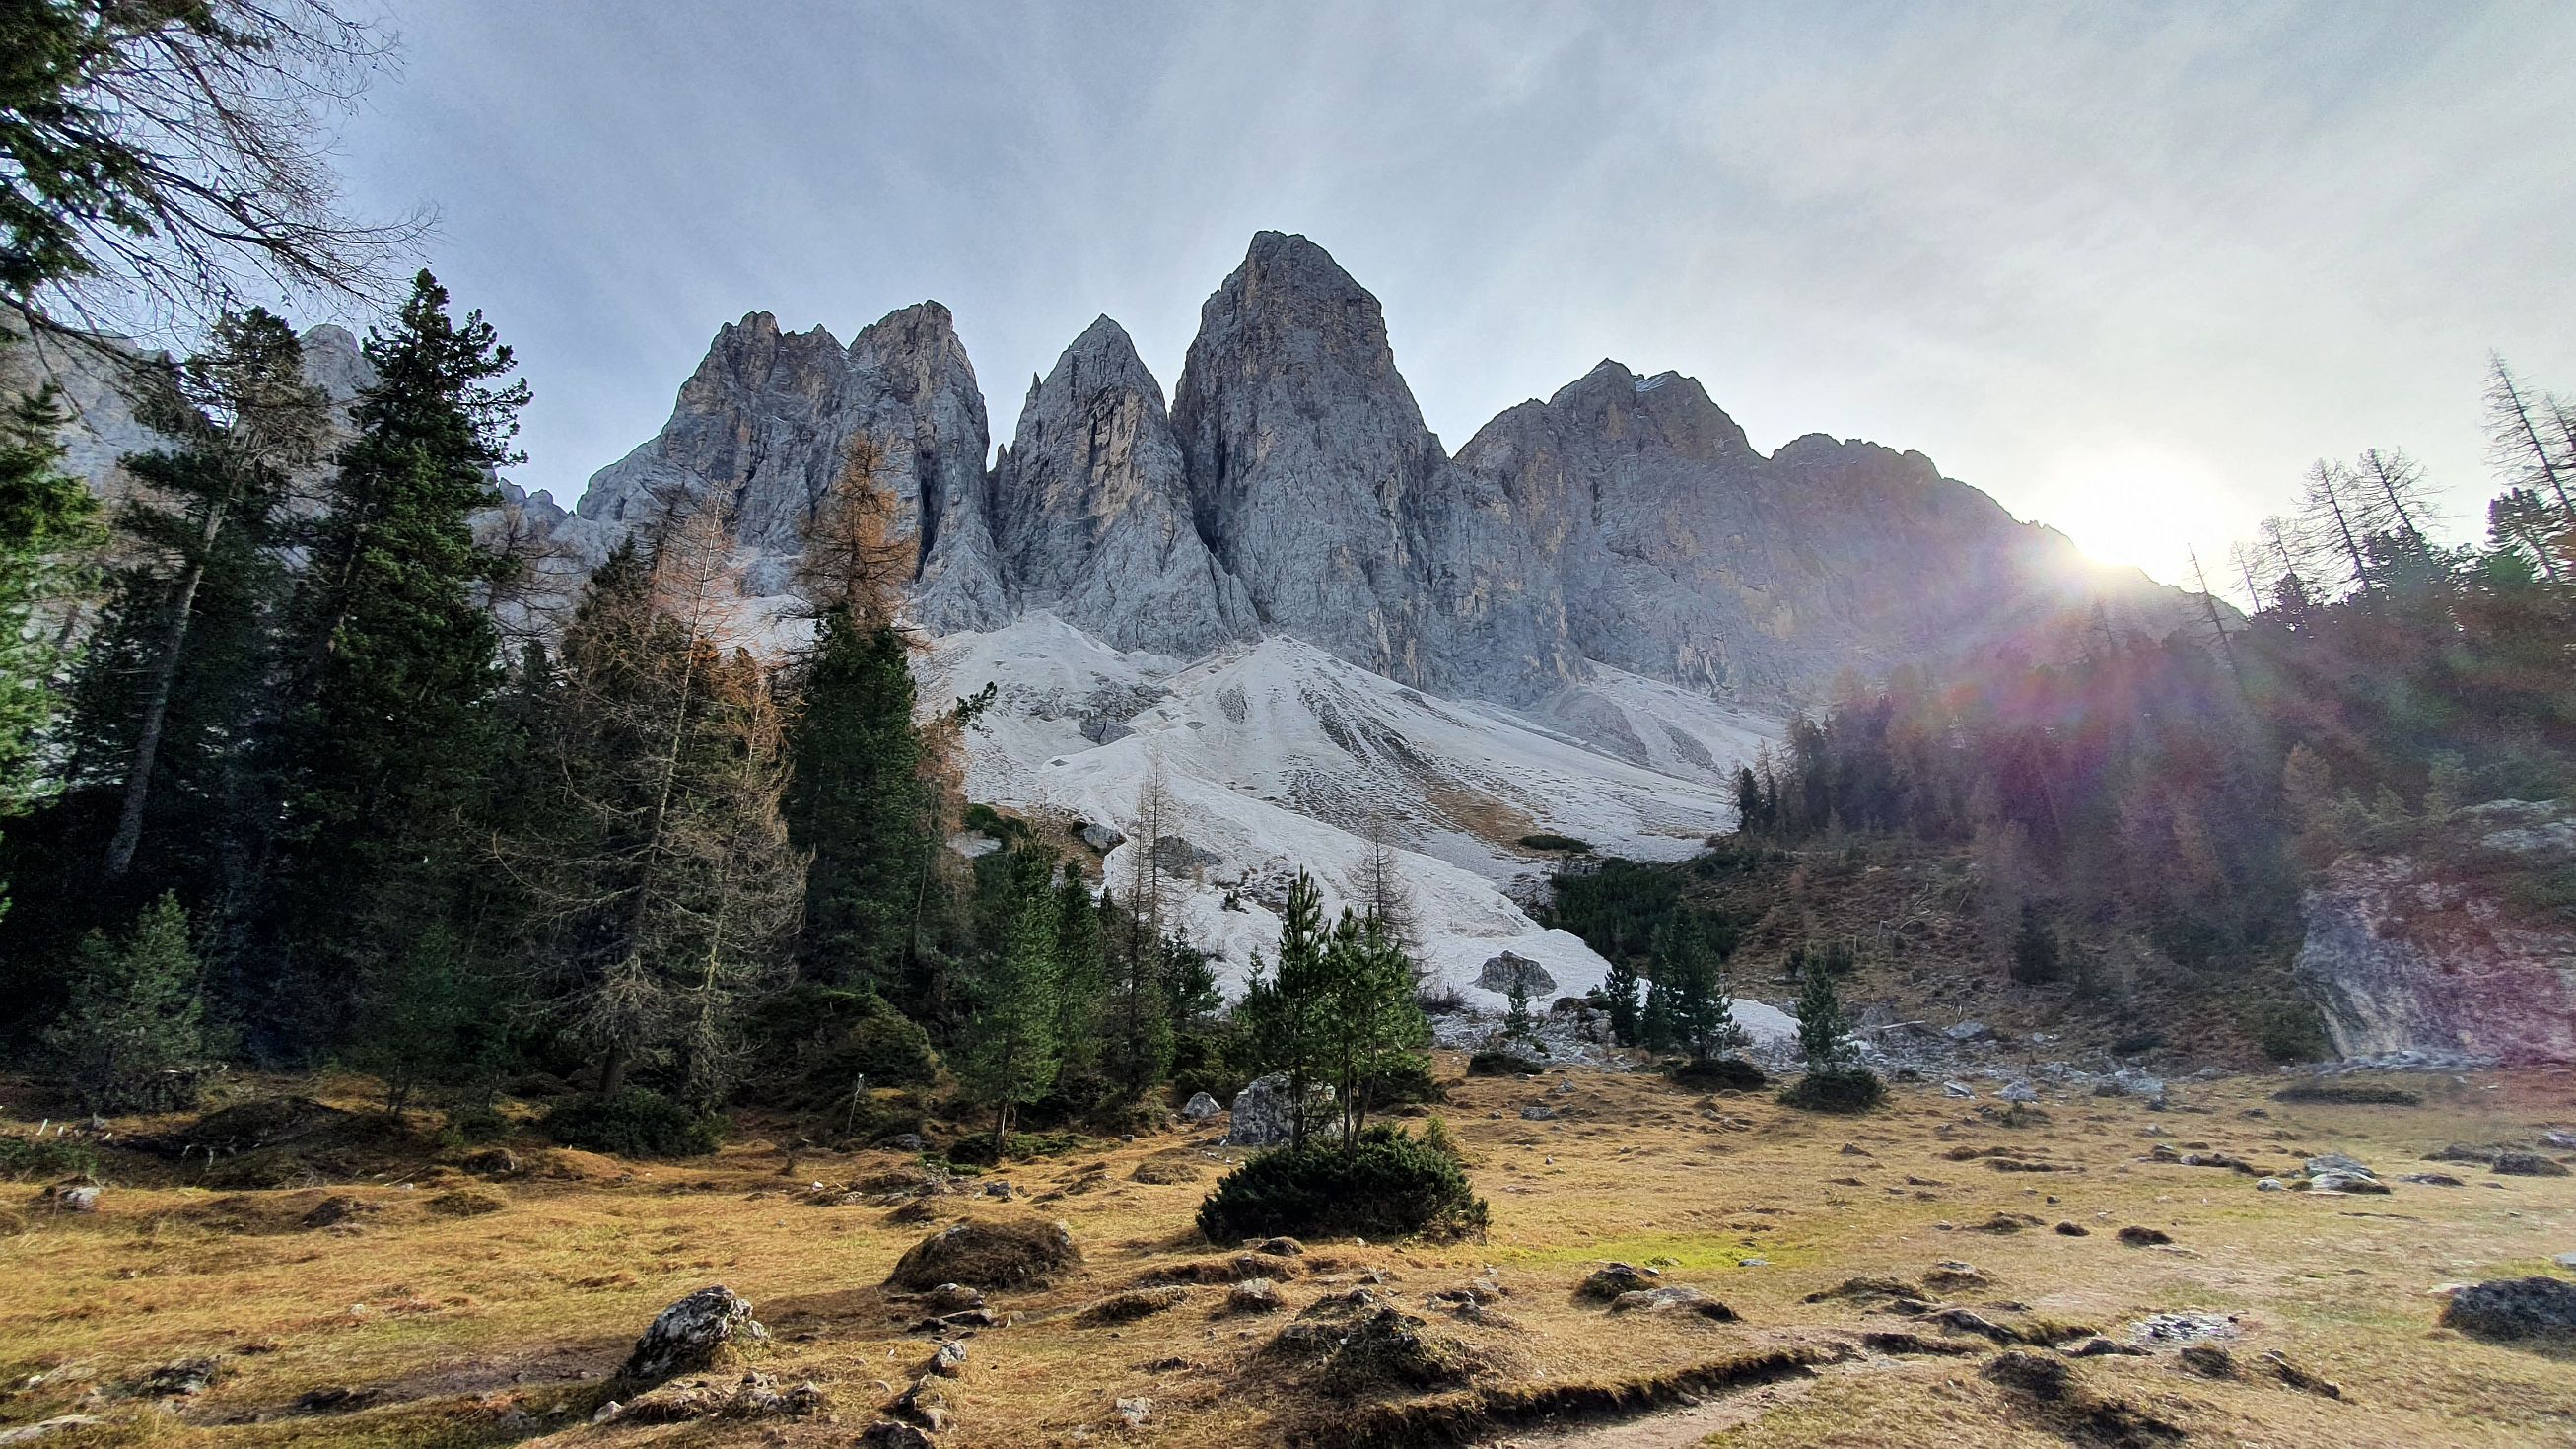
476,1125
2293,1032
634,1123
1389,1185
977,1150
1496,1062
1851,1089
811,1043
1566,843
1725,1074
46,1157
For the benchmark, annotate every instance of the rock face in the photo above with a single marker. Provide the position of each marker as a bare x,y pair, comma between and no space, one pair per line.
1092,512
2401,955
764,427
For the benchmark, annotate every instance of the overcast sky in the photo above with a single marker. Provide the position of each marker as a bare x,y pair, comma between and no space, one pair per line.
2128,268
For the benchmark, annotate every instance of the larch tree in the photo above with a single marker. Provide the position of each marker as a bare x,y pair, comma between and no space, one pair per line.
1138,1016
2519,428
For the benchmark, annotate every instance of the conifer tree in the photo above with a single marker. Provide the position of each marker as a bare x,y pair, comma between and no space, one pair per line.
1702,1009
394,657
1621,993
177,672
1285,1009
48,522
1081,980
857,800
134,1034
1012,1054
1824,1034
1370,1022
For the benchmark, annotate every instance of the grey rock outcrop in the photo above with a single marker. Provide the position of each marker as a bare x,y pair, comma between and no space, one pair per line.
2401,955
764,427
1092,514
1261,1115
1316,483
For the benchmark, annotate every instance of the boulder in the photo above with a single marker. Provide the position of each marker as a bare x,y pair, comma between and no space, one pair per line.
69,1197
1611,1281
2516,1310
988,1253
187,1377
1254,1295
1511,972
950,1361
2337,1162
1261,1116
895,1434
1677,1300
1200,1107
687,1335
2525,1164
1101,837
2346,1182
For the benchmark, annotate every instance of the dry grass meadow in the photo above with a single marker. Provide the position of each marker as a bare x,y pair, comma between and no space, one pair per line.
451,1309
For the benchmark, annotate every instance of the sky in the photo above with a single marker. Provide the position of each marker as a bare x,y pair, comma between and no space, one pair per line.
2127,268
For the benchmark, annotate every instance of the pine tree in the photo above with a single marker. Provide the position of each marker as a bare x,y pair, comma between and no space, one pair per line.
1517,1025
134,1035
1621,991
395,658
1285,1010
1011,1053
1701,1007
1082,979
1370,1021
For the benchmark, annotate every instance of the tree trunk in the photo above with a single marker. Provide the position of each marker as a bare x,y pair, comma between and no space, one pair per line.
156,707
612,1071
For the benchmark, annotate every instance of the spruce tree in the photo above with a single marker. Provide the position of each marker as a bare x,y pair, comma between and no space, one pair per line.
395,658
178,671
1081,979
1011,1053
1824,1034
48,523
1620,993
134,1035
1369,1021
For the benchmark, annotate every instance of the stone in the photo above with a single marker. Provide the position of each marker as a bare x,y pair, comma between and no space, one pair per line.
2270,1184
2565,1260
1538,1112
2431,1179
895,1434
2350,1182
2337,1162
2018,1092
44,1429
1254,1295
2299,1378
2515,1310
755,1396
1607,1283
2073,1230
1511,972
2526,1164
1280,1247
1960,1091
1200,1107
1261,1115
1970,1031
2137,1237
925,1404
1134,1412
69,1197
950,1360
687,1335
184,1379
1677,1300
952,1298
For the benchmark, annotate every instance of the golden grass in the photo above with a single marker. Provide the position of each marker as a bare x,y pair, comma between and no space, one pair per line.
501,1327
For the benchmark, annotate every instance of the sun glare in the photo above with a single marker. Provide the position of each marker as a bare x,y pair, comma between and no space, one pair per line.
2140,509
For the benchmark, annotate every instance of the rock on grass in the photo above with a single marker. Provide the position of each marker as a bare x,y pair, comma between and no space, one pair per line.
1136,1303
988,1253
2516,1310
687,1335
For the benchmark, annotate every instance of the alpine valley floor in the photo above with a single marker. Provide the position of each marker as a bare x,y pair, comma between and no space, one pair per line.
449,1305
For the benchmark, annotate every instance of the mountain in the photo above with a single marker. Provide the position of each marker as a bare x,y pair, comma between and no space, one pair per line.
1285,594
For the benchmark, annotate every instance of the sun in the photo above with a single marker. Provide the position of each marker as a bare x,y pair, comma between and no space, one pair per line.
2143,508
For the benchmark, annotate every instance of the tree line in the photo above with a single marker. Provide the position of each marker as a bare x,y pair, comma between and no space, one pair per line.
2189,786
